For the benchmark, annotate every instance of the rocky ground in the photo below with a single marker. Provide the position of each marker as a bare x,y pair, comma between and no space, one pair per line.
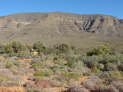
63,68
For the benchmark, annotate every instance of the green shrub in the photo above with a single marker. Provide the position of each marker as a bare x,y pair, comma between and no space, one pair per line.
96,70
43,73
62,48
3,78
115,74
100,66
38,46
120,67
8,49
109,75
71,62
8,64
90,62
110,67
14,47
79,68
2,49
2,58
23,54
79,65
101,50
49,51
36,66
70,75
32,89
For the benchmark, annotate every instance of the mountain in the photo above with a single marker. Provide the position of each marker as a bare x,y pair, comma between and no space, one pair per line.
51,28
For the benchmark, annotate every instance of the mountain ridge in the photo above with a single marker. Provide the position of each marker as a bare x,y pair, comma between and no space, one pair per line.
58,27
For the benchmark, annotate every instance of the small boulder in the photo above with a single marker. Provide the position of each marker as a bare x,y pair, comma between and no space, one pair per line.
77,89
92,83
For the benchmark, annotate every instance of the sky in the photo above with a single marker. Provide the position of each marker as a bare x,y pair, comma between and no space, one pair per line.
107,7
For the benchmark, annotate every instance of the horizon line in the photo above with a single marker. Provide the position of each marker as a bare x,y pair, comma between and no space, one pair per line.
9,14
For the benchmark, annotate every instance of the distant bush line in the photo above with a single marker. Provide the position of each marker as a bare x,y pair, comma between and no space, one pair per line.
21,49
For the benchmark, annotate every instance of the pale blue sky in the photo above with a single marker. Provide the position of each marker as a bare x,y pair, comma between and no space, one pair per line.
108,7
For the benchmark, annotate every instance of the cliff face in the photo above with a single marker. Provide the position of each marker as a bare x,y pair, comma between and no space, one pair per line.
59,26
67,22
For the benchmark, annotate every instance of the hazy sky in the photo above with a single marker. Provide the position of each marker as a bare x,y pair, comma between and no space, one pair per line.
109,7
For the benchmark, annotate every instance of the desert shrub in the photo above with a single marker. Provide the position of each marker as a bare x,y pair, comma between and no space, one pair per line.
96,70
29,47
23,54
114,58
48,51
57,69
111,75
9,50
110,67
79,67
2,58
101,66
39,46
31,89
111,62
71,61
105,75
2,49
101,50
37,65
70,75
108,59
120,67
43,73
62,48
9,64
14,47
3,78
90,62
115,74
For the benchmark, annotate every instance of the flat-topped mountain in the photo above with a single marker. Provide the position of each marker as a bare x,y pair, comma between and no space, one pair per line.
53,28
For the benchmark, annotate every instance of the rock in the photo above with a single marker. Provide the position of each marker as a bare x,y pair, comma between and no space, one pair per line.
105,89
118,84
120,89
28,85
92,83
43,84
77,89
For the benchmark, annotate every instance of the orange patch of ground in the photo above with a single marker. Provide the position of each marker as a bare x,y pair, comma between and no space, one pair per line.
55,89
81,80
12,89
25,60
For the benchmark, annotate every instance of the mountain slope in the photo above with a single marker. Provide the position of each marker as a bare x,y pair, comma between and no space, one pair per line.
52,28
